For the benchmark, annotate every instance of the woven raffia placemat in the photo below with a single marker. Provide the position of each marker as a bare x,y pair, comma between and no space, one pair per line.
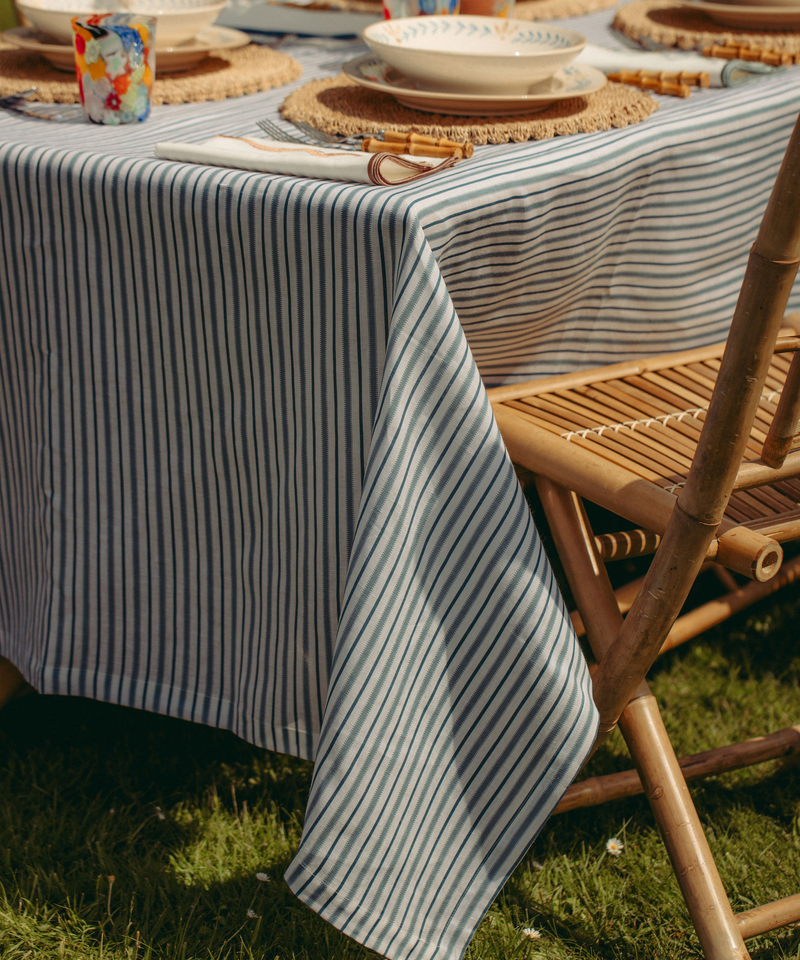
337,105
523,9
558,9
229,73
673,25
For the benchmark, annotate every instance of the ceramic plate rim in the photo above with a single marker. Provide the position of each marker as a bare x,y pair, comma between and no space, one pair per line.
79,12
433,95
577,45
707,6
192,47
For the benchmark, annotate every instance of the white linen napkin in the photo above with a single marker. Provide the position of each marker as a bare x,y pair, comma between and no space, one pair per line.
319,163
723,73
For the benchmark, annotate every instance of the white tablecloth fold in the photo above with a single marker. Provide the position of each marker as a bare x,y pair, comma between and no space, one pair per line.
723,73
318,163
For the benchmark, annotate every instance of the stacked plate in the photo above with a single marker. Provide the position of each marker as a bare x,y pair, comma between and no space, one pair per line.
752,14
184,31
473,66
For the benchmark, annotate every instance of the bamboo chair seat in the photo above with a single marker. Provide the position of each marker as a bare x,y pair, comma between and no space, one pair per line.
642,421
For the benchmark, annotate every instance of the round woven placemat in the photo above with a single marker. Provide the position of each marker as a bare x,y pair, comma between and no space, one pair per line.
523,9
558,9
337,105
229,73
671,25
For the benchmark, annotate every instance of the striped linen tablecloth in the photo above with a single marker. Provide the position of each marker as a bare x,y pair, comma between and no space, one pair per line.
249,475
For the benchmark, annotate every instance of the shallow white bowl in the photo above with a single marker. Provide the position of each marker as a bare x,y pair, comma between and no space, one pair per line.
178,21
489,55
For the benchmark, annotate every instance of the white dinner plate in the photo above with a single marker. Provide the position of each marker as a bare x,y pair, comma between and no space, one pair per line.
169,60
575,80
751,16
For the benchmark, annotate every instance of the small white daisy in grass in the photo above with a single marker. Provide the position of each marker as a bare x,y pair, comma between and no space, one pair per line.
537,865
262,877
614,846
531,933
160,813
252,915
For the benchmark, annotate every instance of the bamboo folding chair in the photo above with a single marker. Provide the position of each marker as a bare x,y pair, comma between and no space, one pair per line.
698,450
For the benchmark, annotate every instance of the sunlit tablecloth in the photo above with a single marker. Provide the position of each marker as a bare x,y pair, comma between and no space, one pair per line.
249,475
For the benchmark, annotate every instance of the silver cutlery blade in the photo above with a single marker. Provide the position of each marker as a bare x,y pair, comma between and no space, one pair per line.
274,132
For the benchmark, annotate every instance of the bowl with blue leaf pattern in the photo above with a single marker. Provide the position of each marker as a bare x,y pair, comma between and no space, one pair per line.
471,54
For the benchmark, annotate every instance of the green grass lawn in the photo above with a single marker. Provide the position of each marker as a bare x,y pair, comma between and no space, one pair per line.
128,835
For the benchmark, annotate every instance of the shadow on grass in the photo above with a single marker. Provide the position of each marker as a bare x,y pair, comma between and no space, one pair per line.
125,834
183,817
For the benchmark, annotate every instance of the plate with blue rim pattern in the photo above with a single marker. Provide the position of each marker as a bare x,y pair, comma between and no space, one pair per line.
575,80
754,16
471,54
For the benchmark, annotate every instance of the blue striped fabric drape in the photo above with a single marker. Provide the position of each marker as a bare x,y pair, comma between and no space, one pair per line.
249,475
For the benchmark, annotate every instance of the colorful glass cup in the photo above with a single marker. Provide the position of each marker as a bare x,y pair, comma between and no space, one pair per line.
115,64
393,9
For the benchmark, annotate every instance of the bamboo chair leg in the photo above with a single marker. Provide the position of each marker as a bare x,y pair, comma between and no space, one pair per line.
644,732
12,683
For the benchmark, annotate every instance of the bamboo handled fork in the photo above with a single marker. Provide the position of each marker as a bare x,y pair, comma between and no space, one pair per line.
396,141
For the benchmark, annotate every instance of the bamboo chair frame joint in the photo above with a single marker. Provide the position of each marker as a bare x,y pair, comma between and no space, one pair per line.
791,262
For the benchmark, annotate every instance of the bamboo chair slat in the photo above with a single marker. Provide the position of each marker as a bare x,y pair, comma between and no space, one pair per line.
618,440
772,499
669,397
569,418
641,396
789,488
561,426
691,397
602,452
607,406
738,513
693,377
741,508
680,394
636,458
588,406
662,437
654,445
617,406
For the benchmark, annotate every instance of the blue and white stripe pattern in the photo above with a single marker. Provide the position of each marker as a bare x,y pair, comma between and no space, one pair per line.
249,475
